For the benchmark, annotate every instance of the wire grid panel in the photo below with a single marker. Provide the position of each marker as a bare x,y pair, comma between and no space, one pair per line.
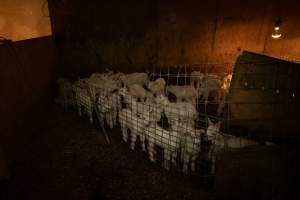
182,131
106,105
184,128
168,134
173,133
83,101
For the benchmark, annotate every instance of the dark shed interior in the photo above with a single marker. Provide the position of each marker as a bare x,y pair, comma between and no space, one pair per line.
49,152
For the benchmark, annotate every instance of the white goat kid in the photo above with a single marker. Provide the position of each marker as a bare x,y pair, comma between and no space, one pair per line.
134,78
183,93
222,141
136,126
208,86
104,82
190,143
181,111
146,107
113,105
117,78
138,92
157,87
83,100
196,79
191,147
124,119
218,83
103,91
211,134
108,105
167,139
135,93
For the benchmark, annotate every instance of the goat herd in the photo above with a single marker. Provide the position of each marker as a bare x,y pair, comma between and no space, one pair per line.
143,110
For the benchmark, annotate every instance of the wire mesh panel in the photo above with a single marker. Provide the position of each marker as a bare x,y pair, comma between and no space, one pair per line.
83,99
106,104
167,133
184,116
195,102
168,113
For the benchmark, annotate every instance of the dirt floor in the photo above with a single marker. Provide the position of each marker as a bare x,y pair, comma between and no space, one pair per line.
70,159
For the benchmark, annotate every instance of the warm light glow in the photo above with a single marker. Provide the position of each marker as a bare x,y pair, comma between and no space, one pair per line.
24,19
276,35
276,32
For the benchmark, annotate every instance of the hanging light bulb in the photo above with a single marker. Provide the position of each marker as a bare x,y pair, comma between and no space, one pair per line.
276,32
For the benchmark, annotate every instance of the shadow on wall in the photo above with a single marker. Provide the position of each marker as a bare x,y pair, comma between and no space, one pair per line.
105,33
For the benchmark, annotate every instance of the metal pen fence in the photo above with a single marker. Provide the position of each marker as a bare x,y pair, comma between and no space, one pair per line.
185,134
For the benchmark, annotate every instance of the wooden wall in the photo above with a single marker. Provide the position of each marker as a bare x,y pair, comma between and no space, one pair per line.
139,34
27,73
